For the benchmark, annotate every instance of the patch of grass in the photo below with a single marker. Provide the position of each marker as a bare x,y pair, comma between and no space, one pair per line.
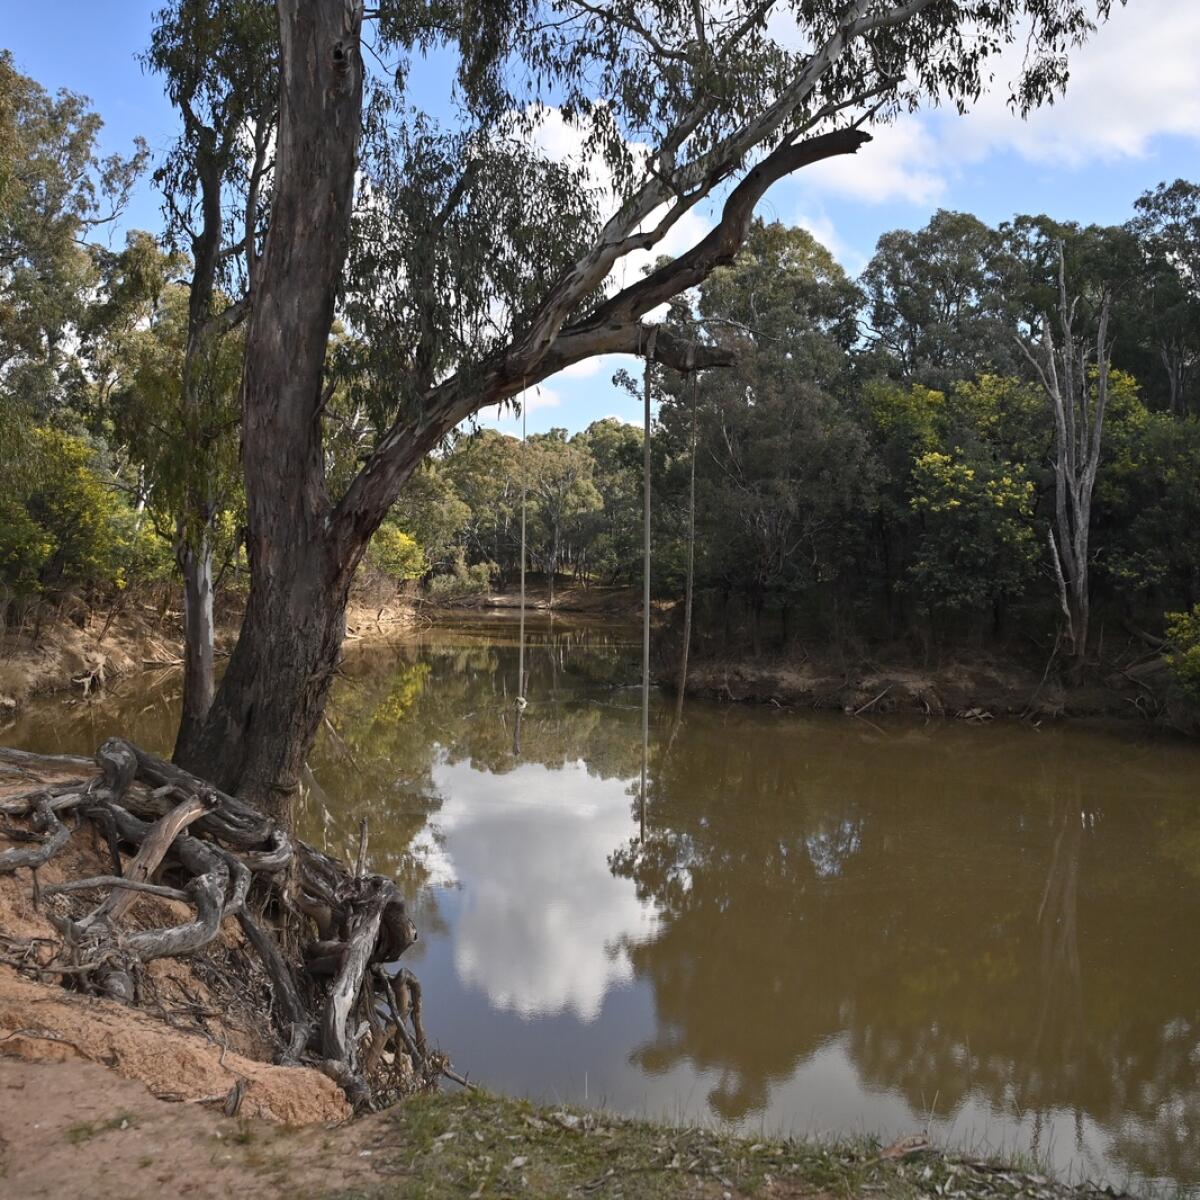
84,1131
479,1145
244,1136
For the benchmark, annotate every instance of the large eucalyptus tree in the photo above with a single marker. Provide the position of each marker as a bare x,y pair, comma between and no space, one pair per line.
479,265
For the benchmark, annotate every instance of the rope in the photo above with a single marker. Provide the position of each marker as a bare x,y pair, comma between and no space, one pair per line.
646,578
521,682
691,563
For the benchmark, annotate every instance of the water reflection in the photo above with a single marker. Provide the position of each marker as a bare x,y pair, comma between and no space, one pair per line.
544,924
985,921
829,925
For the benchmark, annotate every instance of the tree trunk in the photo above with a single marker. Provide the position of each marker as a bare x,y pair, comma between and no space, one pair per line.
302,550
198,639
268,709
265,715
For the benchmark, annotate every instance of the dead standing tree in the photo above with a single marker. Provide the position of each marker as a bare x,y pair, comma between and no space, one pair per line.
1075,376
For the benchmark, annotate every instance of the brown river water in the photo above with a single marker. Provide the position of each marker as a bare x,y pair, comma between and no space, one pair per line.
831,927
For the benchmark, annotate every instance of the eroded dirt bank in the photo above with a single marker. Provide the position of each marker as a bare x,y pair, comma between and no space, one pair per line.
87,651
979,690
197,1034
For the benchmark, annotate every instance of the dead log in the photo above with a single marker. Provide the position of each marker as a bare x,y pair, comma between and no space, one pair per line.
115,881
292,1010
231,820
61,796
364,933
53,762
153,850
207,892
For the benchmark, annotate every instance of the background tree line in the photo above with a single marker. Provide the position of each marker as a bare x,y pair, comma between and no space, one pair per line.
878,463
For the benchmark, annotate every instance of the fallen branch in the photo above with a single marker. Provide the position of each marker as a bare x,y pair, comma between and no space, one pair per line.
114,881
153,850
871,703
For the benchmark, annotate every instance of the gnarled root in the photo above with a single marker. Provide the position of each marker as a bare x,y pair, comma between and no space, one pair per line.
334,1003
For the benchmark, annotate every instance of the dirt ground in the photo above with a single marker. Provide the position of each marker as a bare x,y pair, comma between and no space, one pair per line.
73,1131
72,1128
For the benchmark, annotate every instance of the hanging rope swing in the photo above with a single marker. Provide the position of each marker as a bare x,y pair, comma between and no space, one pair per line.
646,580
522,681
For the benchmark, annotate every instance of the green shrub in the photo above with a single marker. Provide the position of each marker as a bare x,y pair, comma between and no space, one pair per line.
24,547
462,580
63,524
140,553
1183,629
396,554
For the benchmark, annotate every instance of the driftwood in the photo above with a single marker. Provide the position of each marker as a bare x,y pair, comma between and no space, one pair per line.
323,933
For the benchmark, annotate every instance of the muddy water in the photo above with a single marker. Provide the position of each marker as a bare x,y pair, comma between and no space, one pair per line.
831,926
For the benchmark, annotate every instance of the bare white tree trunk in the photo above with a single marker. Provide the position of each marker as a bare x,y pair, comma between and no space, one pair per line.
1066,372
199,635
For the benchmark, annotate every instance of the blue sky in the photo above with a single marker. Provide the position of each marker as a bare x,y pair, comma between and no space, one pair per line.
1131,118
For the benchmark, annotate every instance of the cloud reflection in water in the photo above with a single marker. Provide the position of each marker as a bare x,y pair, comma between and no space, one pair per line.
543,920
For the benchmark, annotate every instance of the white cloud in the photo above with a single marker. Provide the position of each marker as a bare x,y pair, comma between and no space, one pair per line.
898,165
1137,78
822,228
581,370
540,396
504,418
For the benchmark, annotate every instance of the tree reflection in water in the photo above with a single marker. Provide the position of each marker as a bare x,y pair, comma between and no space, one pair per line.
974,915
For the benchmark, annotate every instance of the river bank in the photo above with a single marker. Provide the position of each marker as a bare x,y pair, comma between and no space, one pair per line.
87,651
70,1128
974,684
624,603
980,690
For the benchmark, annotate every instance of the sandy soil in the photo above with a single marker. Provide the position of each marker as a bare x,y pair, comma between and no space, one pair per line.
72,1129
72,654
80,654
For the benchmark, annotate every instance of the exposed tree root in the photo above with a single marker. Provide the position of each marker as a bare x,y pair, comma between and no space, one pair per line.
325,935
